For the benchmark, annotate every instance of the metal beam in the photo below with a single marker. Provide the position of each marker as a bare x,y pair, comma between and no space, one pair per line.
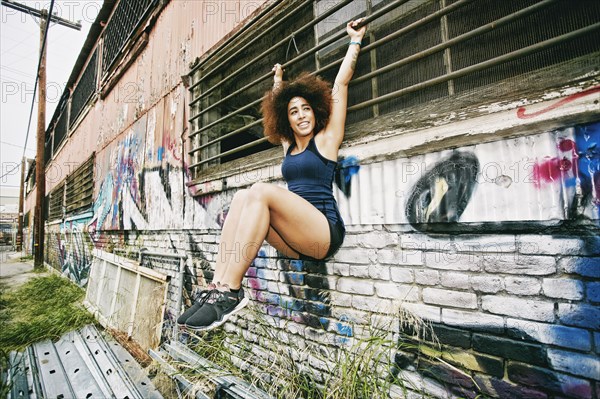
37,13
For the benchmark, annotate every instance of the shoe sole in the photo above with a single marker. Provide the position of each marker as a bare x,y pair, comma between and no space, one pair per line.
218,323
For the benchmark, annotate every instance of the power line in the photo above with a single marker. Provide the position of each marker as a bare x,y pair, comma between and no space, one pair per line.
15,145
34,87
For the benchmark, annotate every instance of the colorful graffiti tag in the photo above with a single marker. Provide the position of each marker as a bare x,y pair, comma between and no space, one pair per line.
74,247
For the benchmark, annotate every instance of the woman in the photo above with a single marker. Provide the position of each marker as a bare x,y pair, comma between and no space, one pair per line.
308,119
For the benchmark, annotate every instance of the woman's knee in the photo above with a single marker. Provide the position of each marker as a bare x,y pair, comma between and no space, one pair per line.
259,191
240,195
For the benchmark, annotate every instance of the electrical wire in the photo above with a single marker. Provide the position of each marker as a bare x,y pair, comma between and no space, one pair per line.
34,88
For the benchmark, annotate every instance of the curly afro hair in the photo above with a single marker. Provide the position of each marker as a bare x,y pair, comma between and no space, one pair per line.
274,106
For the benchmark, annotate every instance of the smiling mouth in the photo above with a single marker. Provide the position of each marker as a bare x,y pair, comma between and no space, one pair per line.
304,124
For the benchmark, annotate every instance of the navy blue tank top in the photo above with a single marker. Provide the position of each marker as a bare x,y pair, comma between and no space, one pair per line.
310,175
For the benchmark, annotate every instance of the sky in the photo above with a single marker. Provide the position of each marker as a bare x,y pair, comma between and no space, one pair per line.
19,54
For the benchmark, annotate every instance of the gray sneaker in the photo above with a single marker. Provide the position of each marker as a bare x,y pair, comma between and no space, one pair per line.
199,300
217,309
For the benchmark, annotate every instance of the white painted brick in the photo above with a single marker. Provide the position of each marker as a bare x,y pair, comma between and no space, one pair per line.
554,334
400,257
589,267
456,299
455,280
522,285
359,270
352,240
522,265
340,269
379,272
355,286
397,291
575,363
487,284
359,228
402,275
378,239
355,256
488,243
427,277
341,299
471,319
371,304
563,288
548,245
349,315
395,228
453,261
209,238
519,308
274,287
427,242
425,312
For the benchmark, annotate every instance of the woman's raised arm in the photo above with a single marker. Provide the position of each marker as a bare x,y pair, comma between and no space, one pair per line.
337,120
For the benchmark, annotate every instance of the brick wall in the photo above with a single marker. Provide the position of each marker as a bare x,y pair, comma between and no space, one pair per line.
514,315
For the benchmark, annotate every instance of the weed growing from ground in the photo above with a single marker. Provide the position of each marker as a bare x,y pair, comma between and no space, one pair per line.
42,308
274,355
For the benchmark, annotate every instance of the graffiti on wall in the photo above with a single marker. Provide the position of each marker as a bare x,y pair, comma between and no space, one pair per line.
443,193
75,255
143,185
542,177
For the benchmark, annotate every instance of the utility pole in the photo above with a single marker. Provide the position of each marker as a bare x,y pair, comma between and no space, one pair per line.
40,167
19,238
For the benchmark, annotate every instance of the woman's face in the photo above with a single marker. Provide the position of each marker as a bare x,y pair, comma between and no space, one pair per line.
301,116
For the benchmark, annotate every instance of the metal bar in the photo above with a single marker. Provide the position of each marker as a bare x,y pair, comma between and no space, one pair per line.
285,40
36,13
188,387
482,65
238,51
237,111
232,151
236,35
458,39
332,39
233,386
180,278
178,256
38,389
109,355
230,134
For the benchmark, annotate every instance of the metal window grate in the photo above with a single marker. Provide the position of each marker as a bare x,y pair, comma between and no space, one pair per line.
61,128
85,88
56,200
415,52
80,188
48,147
125,20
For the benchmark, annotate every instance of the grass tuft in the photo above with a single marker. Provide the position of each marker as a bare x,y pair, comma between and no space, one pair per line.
42,308
294,366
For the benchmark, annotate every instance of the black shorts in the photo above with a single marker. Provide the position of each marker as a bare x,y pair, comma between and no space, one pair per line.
337,232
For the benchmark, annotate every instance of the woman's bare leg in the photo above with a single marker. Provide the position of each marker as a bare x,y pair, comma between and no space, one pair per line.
267,206
226,244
